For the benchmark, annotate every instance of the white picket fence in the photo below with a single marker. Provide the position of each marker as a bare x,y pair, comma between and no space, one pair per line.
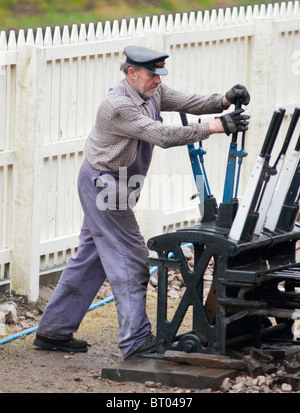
52,82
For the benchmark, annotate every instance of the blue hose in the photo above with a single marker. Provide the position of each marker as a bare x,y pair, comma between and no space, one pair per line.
17,335
92,307
32,329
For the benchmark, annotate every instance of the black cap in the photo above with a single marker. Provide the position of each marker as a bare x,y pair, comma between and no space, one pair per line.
147,58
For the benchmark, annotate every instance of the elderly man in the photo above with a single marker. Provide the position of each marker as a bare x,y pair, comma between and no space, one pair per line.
119,148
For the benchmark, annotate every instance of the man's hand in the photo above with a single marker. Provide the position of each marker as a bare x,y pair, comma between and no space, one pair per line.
235,122
238,92
215,126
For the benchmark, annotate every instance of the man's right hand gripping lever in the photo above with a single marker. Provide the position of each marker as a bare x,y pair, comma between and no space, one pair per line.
235,122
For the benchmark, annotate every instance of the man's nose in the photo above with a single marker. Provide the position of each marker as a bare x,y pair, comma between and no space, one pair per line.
157,79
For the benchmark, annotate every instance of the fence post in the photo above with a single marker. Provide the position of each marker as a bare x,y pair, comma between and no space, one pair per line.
262,82
25,260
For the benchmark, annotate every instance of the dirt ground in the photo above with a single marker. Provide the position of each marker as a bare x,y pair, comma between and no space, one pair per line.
27,369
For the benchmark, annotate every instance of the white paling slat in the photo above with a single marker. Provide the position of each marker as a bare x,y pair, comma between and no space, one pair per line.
3,105
3,191
61,196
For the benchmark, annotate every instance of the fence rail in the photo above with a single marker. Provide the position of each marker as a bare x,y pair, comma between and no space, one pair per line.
52,81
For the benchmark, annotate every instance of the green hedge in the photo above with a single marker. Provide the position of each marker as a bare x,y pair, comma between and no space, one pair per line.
16,14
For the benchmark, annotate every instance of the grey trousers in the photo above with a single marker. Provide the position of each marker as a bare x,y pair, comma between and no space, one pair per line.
111,247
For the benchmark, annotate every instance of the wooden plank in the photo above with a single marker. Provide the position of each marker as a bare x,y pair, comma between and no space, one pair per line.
5,255
7,157
8,57
57,244
63,147
204,360
253,366
70,51
211,34
141,370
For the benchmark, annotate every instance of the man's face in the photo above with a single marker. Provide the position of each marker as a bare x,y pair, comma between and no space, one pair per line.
144,82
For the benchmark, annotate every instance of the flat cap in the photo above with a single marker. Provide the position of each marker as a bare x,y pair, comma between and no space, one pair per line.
147,58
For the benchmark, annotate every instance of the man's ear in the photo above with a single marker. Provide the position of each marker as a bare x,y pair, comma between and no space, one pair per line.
131,73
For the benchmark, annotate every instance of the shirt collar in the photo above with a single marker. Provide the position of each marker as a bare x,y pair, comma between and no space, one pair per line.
139,101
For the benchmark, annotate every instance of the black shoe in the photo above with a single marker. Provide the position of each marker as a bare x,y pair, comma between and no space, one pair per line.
71,345
148,347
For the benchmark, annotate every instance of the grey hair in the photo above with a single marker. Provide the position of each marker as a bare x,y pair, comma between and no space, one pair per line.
125,66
